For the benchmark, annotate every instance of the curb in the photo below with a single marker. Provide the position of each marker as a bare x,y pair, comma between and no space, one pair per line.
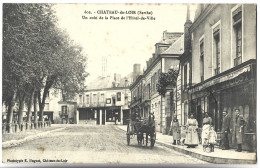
13,143
210,159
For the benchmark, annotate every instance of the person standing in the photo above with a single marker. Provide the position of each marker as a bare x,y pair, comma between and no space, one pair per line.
225,130
207,122
175,130
212,138
239,130
192,138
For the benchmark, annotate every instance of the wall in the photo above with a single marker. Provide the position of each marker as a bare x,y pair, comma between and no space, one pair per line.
155,97
222,13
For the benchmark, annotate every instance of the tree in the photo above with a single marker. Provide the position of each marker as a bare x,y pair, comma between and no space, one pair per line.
37,56
168,79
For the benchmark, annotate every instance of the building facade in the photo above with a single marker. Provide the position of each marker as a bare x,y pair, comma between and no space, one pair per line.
145,98
105,101
55,110
222,65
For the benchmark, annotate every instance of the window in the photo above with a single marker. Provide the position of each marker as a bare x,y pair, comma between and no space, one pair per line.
94,98
148,91
64,109
185,76
143,93
80,99
202,60
237,25
154,82
102,98
87,97
152,79
216,48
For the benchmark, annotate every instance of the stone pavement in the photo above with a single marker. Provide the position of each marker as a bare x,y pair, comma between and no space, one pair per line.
219,156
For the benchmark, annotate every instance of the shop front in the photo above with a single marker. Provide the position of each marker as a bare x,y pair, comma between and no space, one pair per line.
113,115
228,91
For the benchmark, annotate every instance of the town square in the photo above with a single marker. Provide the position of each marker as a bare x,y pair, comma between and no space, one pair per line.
129,84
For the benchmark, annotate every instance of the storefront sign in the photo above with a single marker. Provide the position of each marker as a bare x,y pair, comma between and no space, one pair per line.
108,101
221,79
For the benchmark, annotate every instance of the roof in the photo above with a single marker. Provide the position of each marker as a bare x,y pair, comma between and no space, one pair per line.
107,82
100,83
177,48
170,37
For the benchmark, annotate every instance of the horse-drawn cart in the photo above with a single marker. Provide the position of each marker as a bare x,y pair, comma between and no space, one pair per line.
143,129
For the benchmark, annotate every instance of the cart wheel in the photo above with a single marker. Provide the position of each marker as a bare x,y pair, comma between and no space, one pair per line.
208,149
128,135
146,140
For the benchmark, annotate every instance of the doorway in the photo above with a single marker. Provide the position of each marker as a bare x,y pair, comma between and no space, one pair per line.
103,117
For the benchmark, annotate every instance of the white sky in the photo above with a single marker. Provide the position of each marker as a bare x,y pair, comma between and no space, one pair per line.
123,42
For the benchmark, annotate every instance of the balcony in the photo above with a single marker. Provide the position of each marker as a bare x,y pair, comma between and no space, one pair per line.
101,104
237,61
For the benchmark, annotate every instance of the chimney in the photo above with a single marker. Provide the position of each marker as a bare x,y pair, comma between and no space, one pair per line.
187,35
136,71
117,77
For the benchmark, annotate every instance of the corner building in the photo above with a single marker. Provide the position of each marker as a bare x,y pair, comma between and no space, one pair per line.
223,66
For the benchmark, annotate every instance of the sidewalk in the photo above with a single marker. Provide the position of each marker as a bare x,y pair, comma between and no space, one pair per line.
219,156
13,139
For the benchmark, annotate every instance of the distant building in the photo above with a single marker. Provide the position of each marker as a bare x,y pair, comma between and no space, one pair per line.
105,101
56,110
145,98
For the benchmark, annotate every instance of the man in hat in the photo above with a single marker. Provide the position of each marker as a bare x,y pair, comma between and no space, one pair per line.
225,130
239,130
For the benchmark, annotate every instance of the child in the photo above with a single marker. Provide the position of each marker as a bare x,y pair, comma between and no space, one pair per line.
212,138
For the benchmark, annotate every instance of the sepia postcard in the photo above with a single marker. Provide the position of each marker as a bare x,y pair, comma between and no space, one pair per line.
133,83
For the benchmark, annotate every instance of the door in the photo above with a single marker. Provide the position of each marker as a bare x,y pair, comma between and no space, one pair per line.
125,117
103,117
98,117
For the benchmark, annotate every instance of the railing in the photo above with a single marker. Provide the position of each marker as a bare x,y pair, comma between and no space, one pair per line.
237,61
15,127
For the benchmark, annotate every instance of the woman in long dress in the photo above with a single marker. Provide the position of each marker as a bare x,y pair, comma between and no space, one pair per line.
175,130
192,138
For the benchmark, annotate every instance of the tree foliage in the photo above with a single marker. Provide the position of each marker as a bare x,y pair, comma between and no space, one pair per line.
167,80
38,56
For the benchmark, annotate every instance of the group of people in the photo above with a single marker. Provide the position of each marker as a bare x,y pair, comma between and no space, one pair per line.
208,136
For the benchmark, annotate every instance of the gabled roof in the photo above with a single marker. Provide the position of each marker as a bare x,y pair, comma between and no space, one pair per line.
107,82
100,83
177,48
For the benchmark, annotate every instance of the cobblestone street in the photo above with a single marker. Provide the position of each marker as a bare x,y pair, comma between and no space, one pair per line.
92,144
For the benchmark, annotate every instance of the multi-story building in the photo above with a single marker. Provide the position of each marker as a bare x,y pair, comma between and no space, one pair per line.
145,98
105,101
223,66
184,76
